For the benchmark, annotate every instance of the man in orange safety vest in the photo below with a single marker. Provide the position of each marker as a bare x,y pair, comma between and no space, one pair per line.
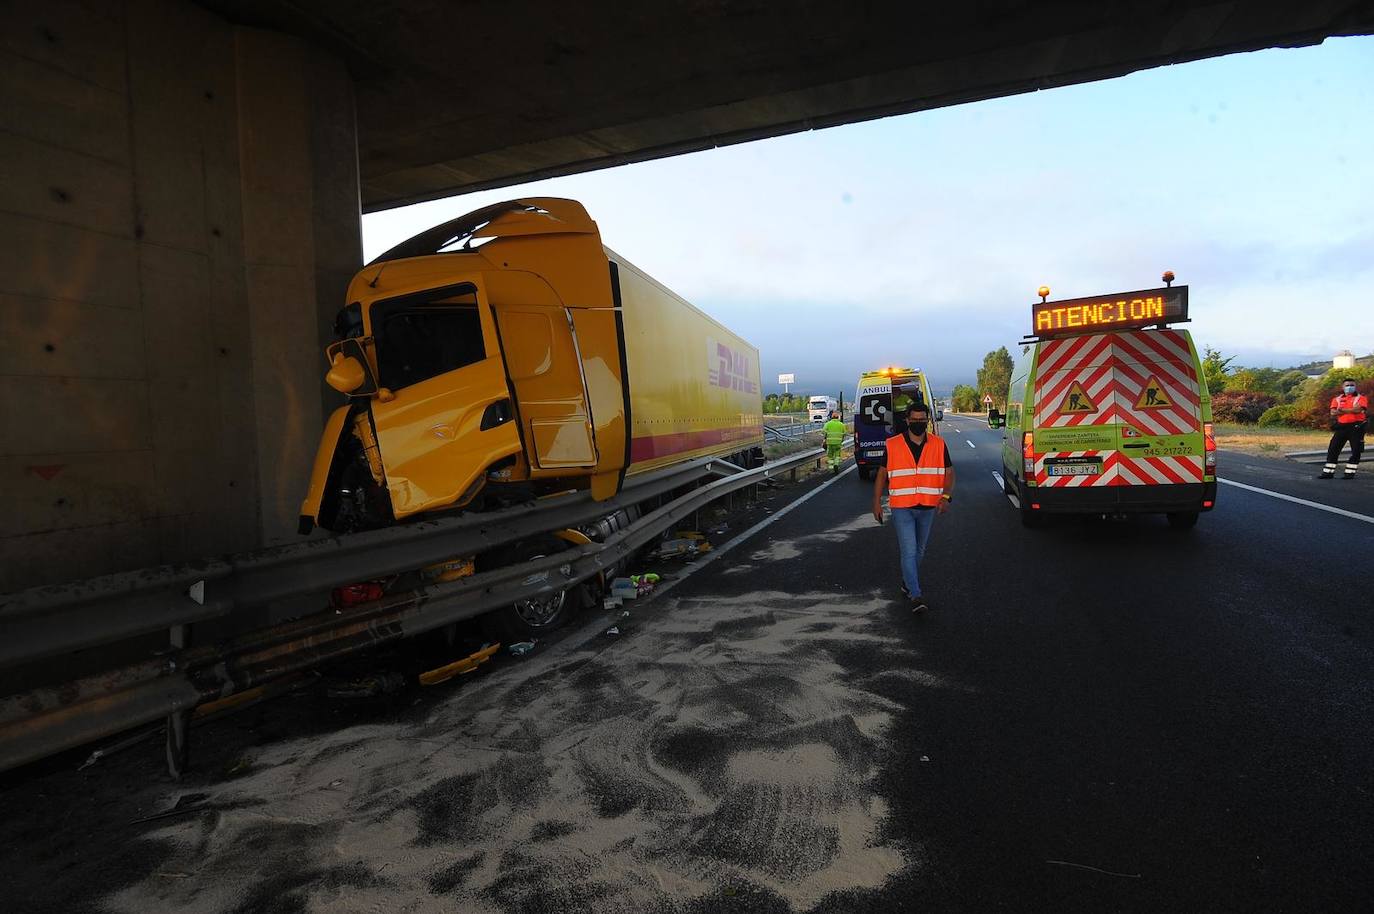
1349,417
920,484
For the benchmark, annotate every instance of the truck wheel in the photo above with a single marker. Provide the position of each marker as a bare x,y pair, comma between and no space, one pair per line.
526,620
1182,520
1032,520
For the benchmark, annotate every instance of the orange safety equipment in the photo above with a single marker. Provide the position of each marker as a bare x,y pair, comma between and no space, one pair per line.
912,483
1342,401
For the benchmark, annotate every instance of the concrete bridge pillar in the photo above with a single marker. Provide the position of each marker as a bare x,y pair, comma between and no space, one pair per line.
179,219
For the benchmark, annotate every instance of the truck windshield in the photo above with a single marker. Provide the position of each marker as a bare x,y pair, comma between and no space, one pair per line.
419,338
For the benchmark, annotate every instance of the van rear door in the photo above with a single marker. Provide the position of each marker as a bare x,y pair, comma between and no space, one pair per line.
1158,408
1075,436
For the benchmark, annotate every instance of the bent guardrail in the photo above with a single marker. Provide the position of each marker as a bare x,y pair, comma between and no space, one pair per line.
37,623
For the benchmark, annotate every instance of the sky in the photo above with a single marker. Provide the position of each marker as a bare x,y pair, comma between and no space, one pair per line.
920,239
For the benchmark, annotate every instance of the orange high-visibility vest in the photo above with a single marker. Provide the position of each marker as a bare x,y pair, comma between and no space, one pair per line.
1341,401
911,484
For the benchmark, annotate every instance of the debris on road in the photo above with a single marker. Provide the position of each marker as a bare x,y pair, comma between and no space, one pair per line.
368,686
460,667
238,766
685,543
521,648
1084,866
613,630
186,803
624,589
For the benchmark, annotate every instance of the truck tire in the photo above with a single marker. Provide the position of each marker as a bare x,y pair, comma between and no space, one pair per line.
1182,520
526,620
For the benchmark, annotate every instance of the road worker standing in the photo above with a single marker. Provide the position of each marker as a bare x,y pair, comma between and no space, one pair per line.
1349,418
834,441
920,480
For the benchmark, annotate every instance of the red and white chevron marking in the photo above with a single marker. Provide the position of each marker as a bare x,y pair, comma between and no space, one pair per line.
1120,470
1113,370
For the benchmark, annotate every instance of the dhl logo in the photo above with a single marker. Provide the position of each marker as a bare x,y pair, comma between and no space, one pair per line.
729,369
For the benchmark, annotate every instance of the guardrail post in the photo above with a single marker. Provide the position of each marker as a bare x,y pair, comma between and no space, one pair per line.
179,722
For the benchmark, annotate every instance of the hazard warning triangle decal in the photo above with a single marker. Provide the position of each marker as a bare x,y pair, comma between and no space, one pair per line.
1152,396
1077,401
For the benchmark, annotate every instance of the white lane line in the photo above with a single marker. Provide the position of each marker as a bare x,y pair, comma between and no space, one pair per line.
1299,501
725,547
969,442
1001,485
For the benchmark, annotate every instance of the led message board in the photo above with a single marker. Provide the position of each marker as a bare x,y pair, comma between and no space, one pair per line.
1118,311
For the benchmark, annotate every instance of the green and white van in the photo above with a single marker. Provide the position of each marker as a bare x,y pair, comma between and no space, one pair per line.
1108,412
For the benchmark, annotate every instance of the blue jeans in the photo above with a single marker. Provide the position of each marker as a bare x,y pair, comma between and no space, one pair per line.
913,532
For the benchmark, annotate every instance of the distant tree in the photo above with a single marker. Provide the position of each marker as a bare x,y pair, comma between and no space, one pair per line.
1214,369
1247,380
1289,385
965,399
995,376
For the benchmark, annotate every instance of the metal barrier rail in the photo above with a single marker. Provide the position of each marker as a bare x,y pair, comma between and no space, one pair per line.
47,621
49,720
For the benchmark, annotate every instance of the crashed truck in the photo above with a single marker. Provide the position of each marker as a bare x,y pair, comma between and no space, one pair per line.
509,356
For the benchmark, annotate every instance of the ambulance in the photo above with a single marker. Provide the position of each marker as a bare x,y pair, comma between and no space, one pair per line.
881,399
1108,411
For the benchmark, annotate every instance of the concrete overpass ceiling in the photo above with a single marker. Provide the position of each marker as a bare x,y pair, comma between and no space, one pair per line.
457,97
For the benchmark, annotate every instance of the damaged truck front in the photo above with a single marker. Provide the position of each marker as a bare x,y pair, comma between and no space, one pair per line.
508,355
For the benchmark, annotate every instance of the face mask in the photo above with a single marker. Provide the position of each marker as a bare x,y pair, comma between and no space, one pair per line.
917,427
1349,389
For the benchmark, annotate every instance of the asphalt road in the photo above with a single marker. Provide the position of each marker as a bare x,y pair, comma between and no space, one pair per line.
1095,716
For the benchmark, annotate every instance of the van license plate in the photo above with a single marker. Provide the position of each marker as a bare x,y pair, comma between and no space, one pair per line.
1074,466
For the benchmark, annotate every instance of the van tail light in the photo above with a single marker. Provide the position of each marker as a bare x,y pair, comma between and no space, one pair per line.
1028,455
351,595
1210,444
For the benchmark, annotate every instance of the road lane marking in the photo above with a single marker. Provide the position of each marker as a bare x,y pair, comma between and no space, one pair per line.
1001,484
969,442
725,547
1299,501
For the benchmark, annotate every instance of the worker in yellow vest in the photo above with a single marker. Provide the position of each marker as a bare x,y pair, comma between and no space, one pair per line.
919,476
834,441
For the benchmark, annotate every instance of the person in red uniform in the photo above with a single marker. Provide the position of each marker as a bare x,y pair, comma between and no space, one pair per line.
1349,418
920,484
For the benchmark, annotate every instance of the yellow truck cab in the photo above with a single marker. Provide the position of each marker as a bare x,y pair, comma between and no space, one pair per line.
508,352
1108,411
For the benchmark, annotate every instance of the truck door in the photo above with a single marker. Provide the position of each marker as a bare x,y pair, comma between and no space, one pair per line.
441,416
1158,409
541,352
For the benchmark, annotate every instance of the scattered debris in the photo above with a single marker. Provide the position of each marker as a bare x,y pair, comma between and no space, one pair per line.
521,648
119,746
684,543
335,783
1084,866
460,667
613,630
612,603
368,686
238,766
925,758
717,531
186,803
624,589
644,583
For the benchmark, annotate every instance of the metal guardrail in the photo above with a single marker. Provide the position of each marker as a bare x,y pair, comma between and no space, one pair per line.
47,621
38,623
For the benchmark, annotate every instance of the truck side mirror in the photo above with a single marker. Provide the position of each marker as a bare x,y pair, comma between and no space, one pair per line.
939,415
349,372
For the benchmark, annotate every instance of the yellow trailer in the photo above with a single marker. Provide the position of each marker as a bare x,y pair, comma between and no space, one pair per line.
510,350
